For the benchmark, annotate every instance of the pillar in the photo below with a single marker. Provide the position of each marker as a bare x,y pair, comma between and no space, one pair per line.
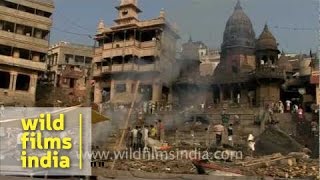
170,96
125,37
55,59
12,77
33,84
14,81
221,93
97,92
112,89
317,94
16,53
129,86
134,36
231,94
213,94
156,91
112,40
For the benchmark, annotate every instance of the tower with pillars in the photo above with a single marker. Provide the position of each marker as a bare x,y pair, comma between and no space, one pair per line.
134,50
269,76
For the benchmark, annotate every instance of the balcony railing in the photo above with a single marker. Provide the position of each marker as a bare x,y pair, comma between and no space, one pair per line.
25,15
129,43
129,67
269,72
8,60
130,47
148,67
39,45
116,68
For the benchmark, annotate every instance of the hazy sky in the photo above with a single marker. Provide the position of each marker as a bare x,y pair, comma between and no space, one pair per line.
293,22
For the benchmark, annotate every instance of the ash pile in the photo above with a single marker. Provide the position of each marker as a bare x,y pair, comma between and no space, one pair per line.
273,140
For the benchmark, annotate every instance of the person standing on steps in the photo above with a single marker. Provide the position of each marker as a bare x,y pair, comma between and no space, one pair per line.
134,135
219,130
225,118
161,130
230,134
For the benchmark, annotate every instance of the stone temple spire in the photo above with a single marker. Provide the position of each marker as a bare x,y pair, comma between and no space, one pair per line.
239,31
162,13
266,28
128,11
190,38
125,2
101,26
238,5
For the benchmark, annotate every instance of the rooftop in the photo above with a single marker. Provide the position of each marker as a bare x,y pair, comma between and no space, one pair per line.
48,2
68,44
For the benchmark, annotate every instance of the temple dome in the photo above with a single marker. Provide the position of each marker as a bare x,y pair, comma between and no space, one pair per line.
266,40
239,31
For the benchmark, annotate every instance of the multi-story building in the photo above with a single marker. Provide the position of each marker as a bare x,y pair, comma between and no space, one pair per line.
65,56
314,78
134,50
209,59
24,34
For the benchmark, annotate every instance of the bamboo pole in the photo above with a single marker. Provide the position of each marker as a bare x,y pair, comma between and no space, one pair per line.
126,122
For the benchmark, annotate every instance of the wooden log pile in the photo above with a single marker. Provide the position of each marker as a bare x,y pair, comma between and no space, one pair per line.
295,165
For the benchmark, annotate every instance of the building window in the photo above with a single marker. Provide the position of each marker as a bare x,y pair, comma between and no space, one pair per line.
23,82
124,13
5,50
8,26
79,59
5,80
120,88
68,58
25,54
88,60
26,9
72,83
146,92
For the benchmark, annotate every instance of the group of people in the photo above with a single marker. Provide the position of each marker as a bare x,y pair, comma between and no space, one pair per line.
279,107
152,107
219,130
137,138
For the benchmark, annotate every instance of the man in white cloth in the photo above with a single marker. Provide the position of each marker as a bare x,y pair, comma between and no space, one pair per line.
134,132
251,144
145,136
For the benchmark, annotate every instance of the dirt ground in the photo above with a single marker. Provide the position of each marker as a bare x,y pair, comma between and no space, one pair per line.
301,169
